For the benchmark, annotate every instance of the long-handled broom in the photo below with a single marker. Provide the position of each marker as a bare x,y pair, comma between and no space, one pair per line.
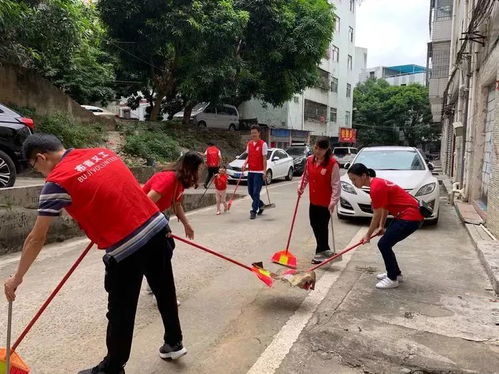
264,275
285,257
8,356
235,190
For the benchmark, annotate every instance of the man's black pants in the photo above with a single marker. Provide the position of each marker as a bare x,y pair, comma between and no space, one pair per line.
123,281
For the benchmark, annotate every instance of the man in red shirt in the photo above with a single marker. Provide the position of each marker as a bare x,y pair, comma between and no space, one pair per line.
213,160
387,197
97,189
256,164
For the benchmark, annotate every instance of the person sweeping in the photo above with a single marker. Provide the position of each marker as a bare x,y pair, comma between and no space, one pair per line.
166,188
213,159
97,189
256,164
322,174
387,198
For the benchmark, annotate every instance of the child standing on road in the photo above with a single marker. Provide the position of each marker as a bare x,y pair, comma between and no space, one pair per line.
221,188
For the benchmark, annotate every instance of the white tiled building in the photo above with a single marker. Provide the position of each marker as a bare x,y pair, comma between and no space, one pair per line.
400,75
321,110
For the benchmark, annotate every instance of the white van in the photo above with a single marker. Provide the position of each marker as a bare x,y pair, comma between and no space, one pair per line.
217,117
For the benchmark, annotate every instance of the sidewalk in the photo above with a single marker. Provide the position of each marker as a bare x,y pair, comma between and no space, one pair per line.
443,319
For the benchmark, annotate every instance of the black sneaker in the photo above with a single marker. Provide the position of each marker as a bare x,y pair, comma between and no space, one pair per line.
100,369
168,352
252,215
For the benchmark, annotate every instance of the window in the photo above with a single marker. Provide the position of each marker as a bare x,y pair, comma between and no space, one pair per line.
336,53
371,75
334,84
333,114
210,109
230,111
349,90
315,111
323,82
338,25
350,62
347,118
296,99
350,34
352,5
443,10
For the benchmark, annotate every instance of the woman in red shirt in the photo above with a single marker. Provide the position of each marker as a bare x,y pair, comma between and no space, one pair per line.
166,188
387,198
322,173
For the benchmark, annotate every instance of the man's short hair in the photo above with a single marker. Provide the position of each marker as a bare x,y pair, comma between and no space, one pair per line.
256,127
210,143
40,143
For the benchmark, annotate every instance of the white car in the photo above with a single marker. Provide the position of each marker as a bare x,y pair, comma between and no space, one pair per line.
217,117
344,155
279,165
403,166
99,111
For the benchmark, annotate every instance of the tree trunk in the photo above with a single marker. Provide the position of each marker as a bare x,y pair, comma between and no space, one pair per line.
187,113
157,106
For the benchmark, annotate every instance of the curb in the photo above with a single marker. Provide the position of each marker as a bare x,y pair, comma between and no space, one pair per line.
487,248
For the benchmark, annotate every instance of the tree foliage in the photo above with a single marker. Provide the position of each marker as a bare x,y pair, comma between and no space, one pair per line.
217,50
61,39
382,112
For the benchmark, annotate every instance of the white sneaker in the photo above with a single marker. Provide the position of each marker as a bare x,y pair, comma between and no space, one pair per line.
382,276
387,283
178,303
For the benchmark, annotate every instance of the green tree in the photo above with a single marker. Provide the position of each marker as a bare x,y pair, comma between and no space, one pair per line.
61,39
382,112
217,50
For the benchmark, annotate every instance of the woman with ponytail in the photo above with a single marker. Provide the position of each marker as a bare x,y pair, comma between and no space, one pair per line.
387,198
322,172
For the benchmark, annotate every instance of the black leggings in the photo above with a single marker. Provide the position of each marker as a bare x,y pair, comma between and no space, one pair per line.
319,220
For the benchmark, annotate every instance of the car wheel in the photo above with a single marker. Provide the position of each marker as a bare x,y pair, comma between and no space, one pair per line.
268,177
7,171
291,172
202,124
232,127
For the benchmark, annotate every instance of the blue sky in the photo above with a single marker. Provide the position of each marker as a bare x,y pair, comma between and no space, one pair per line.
394,31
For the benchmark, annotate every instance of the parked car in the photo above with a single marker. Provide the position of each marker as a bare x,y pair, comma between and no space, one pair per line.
217,117
404,166
299,154
344,155
14,129
279,165
99,111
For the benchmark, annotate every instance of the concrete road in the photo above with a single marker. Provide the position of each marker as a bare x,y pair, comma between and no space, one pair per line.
233,324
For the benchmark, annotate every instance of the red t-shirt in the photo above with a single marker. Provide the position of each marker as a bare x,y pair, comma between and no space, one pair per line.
400,204
221,182
166,184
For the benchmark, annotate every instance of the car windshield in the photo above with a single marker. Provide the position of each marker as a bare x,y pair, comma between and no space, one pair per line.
245,155
296,151
340,151
391,160
199,107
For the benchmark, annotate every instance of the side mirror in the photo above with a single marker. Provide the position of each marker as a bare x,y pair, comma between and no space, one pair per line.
431,166
347,165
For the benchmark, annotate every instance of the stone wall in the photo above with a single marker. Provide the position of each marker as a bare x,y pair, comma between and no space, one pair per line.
25,88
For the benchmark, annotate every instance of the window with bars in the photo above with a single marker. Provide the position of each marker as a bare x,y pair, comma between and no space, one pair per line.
333,115
349,90
443,10
323,82
350,34
350,62
315,111
440,60
336,53
334,84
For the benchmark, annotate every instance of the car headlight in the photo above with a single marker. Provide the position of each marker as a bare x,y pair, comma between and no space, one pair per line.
426,189
347,187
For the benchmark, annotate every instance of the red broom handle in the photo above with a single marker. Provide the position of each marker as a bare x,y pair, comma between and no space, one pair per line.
237,184
51,297
338,255
296,210
212,252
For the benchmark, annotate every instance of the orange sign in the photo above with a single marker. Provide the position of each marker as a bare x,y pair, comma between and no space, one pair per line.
347,135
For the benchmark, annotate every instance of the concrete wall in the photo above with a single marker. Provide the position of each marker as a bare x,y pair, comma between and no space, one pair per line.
25,88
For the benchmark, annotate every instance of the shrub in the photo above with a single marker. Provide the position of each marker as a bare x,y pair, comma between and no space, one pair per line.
151,145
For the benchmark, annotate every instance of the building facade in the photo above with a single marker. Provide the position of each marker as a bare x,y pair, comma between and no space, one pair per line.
322,110
400,75
470,126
